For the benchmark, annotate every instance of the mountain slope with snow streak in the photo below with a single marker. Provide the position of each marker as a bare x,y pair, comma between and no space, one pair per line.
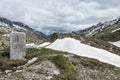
117,43
115,30
98,28
74,46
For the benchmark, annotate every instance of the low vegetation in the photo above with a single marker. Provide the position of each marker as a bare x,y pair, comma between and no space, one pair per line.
110,36
88,68
44,54
6,63
99,43
55,36
93,63
68,66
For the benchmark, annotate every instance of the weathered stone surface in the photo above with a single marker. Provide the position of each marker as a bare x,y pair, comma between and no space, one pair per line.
17,45
31,61
44,70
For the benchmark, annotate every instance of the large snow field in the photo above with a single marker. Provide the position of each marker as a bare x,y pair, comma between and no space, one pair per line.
76,47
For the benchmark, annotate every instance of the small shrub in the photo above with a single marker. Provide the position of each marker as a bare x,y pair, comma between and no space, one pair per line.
6,63
5,52
31,52
68,72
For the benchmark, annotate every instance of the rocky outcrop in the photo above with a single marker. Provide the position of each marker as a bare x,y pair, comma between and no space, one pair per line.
44,70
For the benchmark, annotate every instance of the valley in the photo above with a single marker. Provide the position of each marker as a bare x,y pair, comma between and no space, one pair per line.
93,53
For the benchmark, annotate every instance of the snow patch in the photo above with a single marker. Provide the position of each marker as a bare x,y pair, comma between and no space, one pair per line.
44,44
32,45
18,27
117,43
74,46
115,30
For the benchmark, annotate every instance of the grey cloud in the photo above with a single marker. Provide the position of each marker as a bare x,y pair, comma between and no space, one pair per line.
66,15
106,3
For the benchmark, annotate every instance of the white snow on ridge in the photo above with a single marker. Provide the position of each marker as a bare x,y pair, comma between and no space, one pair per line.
74,46
31,45
115,30
18,27
115,43
3,24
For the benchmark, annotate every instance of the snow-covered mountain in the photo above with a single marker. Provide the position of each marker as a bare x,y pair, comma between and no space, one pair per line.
96,29
8,26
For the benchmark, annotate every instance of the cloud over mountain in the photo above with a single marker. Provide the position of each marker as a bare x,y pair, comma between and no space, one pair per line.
67,14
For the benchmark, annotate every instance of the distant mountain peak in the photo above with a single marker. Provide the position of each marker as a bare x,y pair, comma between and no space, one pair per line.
95,29
18,26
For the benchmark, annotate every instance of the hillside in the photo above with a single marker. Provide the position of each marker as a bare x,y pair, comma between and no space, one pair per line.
55,36
110,34
103,35
101,28
7,26
76,47
47,64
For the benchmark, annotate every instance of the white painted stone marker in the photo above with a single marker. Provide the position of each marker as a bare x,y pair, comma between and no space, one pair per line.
17,45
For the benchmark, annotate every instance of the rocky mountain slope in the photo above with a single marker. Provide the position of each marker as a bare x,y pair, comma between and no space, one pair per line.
7,26
103,35
47,64
100,28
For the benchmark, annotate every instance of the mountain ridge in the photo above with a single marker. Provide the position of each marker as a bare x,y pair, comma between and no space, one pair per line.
22,27
96,29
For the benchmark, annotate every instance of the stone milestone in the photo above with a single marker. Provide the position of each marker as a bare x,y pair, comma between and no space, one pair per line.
17,45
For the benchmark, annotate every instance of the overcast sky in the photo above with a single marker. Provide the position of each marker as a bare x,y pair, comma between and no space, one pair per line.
66,15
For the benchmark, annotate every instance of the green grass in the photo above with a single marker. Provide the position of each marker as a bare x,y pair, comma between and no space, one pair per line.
110,36
63,63
93,63
32,52
103,45
6,63
42,54
5,52
67,68
107,34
